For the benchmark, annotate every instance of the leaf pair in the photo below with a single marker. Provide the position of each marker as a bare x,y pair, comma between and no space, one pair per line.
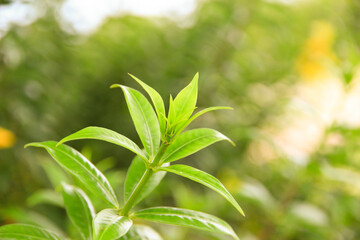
182,107
186,144
179,110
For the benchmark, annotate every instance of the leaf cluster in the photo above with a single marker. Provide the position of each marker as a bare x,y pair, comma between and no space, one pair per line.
163,141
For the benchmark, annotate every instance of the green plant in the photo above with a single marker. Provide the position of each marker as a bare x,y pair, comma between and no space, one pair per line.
164,142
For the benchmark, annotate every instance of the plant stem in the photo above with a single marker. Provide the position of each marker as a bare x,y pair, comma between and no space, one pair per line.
159,155
134,195
143,181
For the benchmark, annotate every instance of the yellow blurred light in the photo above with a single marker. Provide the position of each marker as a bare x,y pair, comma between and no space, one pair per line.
7,138
313,62
230,180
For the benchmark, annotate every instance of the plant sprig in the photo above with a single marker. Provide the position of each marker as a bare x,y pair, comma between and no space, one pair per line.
163,142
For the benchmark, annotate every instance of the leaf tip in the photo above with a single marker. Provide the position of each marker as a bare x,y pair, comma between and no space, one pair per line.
230,141
124,88
241,211
223,137
65,139
115,86
196,79
33,144
136,79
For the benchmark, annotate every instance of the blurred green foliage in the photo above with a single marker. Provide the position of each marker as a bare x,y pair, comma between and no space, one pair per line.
53,83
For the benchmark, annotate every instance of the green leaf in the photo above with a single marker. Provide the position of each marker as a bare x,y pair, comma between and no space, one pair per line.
192,141
157,101
81,168
144,118
186,123
108,225
171,116
105,135
186,218
141,232
28,232
185,101
205,179
135,172
79,209
45,196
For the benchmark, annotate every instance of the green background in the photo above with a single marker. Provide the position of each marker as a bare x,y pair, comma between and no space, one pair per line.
251,55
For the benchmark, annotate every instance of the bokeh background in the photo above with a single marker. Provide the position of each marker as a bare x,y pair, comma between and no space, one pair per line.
289,68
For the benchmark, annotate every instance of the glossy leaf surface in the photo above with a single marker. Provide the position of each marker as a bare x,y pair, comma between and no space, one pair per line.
135,172
144,118
26,232
81,168
79,209
108,225
186,218
141,232
192,141
157,101
107,135
205,179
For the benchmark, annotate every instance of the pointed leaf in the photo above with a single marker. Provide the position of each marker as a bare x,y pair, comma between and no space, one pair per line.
135,172
205,179
192,141
79,209
105,135
81,168
28,232
157,101
108,225
186,218
185,101
141,232
144,118
186,123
